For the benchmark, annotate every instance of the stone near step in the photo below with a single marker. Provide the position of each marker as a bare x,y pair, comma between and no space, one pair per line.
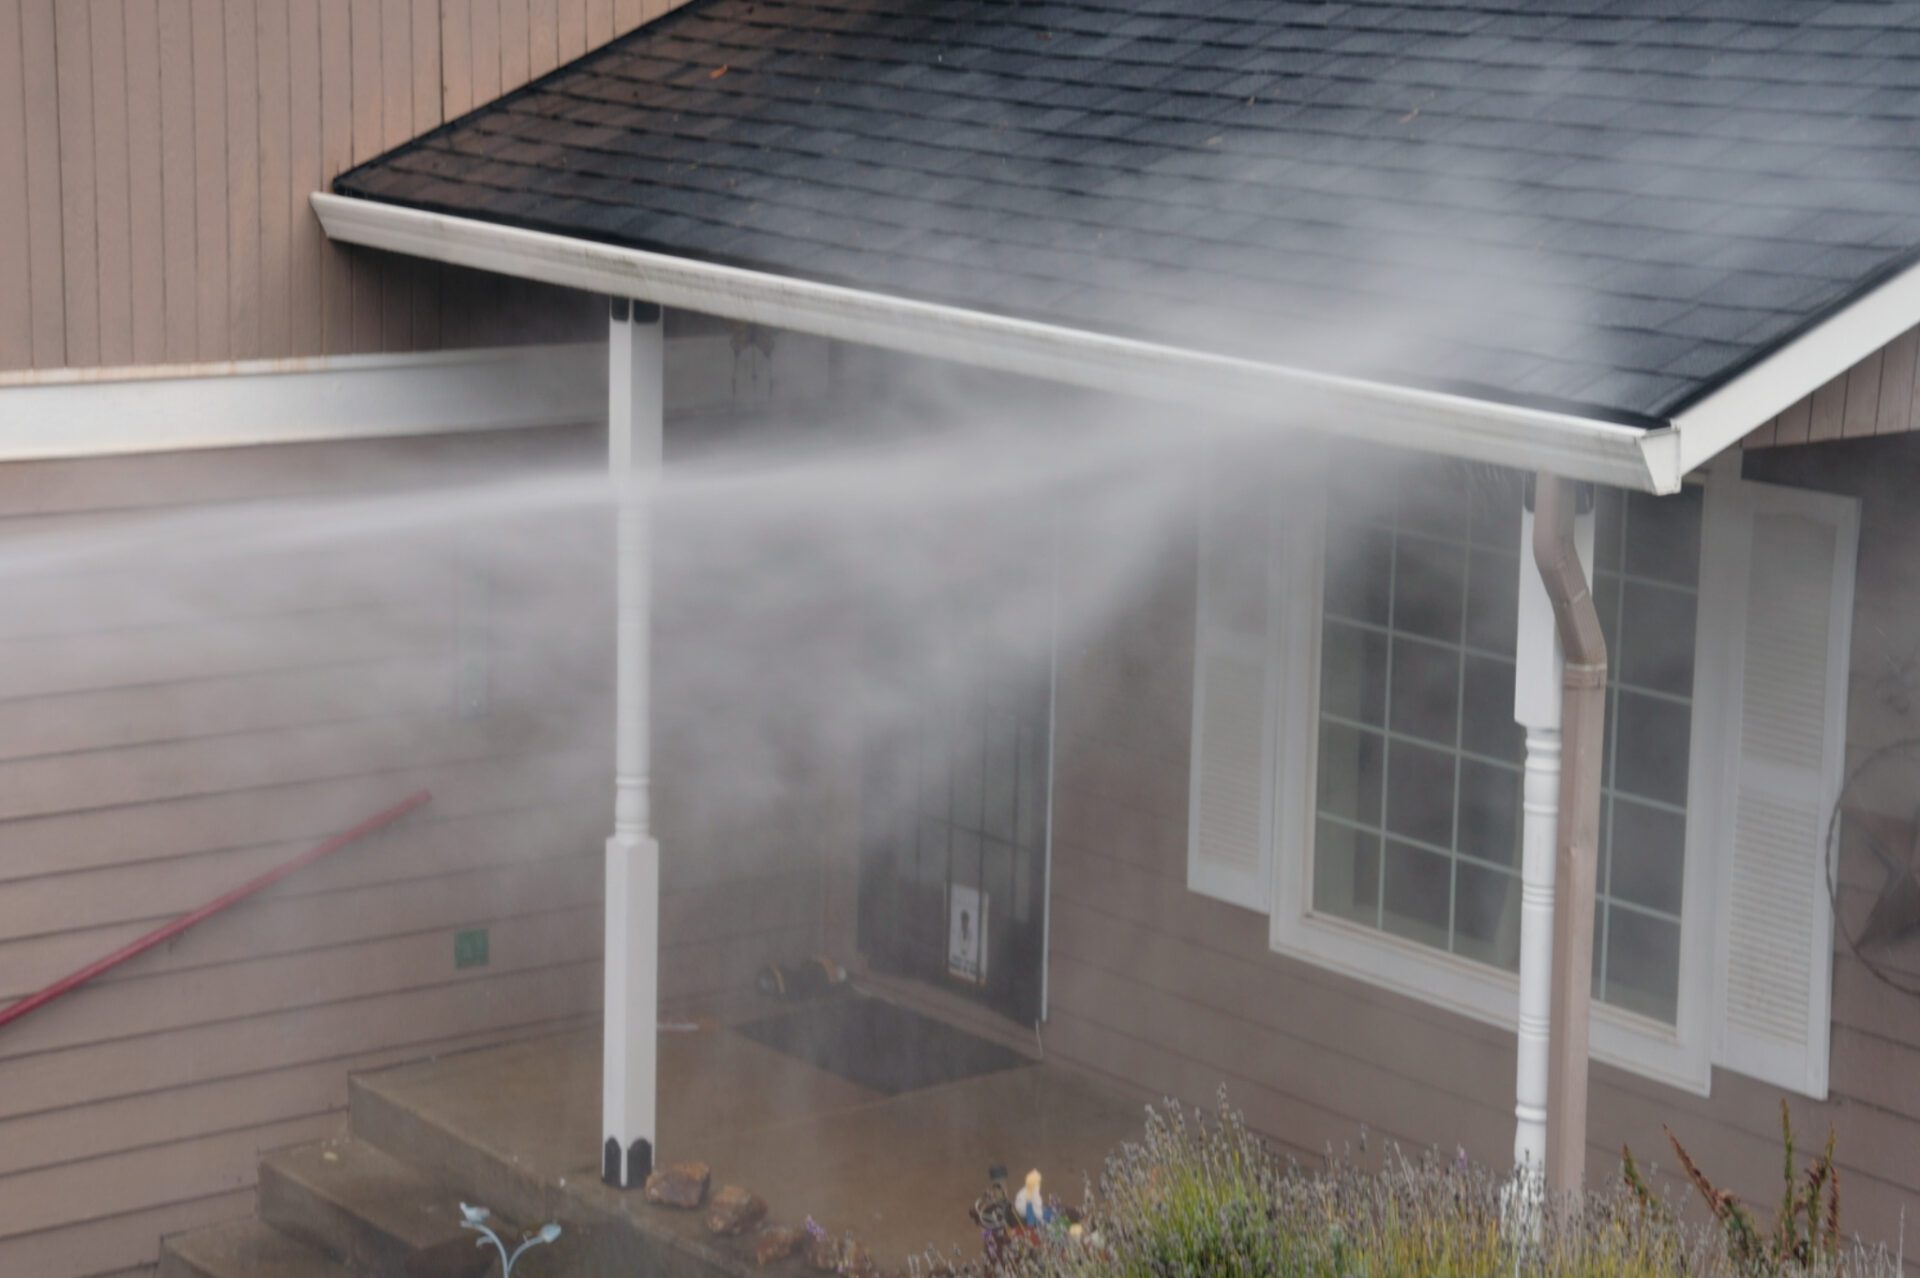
679,1185
244,1249
734,1211
359,1204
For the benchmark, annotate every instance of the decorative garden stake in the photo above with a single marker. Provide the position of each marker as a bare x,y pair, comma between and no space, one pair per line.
476,1220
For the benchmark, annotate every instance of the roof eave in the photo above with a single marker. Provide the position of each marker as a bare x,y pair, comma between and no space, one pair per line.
1727,414
1481,430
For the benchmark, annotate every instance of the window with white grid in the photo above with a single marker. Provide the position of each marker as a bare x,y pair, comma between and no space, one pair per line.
1646,579
1417,805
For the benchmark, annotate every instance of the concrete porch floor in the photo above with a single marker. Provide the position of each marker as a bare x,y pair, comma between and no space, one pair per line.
899,1172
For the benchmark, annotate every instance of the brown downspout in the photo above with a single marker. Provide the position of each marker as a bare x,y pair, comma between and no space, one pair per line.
1583,719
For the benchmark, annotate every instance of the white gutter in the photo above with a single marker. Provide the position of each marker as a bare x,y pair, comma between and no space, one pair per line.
1808,362
1528,439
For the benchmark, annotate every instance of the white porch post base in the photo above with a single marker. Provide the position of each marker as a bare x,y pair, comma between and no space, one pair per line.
629,1077
628,1065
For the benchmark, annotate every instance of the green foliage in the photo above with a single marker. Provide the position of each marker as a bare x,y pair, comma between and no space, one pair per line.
1202,1197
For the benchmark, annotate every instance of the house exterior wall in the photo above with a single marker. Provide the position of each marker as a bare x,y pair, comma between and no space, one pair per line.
1172,993
166,736
156,157
1874,397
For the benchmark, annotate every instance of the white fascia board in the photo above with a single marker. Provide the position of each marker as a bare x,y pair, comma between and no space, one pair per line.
1725,417
1576,447
72,413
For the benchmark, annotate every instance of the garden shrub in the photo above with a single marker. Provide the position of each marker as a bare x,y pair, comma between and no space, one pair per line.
1202,1197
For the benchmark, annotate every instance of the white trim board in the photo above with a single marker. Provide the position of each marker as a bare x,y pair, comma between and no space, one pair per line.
1578,447
101,413
76,413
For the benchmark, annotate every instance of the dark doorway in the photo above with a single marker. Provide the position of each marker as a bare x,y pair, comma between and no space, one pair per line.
953,872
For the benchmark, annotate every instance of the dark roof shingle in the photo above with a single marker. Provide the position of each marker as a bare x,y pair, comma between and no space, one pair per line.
1612,205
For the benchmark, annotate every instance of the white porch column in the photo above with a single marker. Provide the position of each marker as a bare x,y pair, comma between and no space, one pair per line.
635,412
1536,707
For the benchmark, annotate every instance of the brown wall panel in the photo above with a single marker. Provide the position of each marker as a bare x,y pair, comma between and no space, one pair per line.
1171,993
156,157
162,741
16,299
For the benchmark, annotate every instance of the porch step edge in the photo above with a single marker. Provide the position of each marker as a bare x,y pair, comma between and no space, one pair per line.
619,1233
357,1203
244,1249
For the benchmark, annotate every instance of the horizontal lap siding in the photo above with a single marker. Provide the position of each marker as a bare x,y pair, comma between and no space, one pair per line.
156,157
165,736
1171,993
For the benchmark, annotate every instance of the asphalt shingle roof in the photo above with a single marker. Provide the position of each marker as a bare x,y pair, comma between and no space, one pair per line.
1611,205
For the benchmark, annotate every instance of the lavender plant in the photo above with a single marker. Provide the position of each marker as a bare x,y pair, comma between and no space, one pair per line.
1202,1197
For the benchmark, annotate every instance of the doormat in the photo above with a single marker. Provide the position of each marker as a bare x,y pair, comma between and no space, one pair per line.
880,1045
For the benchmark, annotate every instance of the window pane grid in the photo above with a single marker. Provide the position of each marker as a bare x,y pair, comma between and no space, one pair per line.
1481,862
1421,583
1653,989
1422,736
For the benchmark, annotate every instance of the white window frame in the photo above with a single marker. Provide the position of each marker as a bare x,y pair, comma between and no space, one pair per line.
1679,1055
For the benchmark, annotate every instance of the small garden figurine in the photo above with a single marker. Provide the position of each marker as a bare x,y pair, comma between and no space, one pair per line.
475,1218
1028,1204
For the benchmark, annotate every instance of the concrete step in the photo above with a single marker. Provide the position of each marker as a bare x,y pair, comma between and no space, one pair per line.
392,1124
609,1233
360,1204
244,1249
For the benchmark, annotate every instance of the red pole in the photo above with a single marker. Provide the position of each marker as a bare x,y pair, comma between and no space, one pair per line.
162,935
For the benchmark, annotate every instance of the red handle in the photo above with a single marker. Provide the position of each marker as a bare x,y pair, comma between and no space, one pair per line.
162,935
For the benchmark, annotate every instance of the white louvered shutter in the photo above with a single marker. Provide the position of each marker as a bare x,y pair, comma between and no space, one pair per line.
1783,590
1230,809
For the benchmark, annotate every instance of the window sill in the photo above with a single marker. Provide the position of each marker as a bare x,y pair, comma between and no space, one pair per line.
1622,1039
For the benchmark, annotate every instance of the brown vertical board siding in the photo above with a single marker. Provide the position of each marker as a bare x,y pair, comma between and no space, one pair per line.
307,253
336,154
1896,384
369,270
1863,397
277,196
1795,421
396,54
456,57
213,243
16,304
515,32
147,277
486,50
112,198
158,155
572,29
179,249
40,87
1829,410
79,240
543,36
244,177
427,114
